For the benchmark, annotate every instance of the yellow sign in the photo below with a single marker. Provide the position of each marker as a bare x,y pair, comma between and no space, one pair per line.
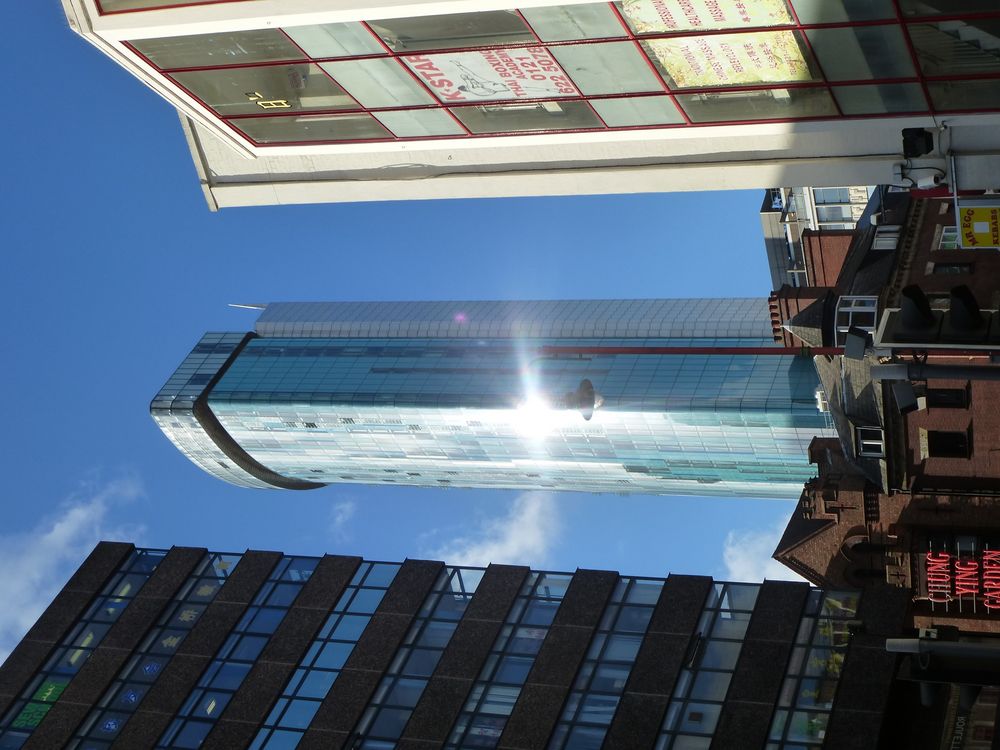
980,226
732,59
652,16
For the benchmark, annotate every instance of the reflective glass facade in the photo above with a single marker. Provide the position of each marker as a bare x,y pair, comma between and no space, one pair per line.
511,658
584,67
126,694
497,403
76,648
320,666
233,662
266,651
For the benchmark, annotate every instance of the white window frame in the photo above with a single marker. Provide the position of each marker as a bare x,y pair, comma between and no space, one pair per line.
868,446
850,304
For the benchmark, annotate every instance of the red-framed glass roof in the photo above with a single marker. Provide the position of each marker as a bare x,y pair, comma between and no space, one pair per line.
627,65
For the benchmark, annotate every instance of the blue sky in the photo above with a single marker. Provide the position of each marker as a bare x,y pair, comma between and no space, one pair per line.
114,267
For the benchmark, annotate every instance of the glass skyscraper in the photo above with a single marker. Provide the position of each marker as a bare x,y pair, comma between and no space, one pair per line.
625,396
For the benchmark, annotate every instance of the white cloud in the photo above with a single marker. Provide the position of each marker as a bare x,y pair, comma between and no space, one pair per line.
747,555
37,563
524,536
340,515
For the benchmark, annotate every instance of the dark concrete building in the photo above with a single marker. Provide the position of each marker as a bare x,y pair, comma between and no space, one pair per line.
192,649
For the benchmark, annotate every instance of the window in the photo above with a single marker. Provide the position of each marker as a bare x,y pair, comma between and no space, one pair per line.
320,667
948,239
813,671
855,312
453,31
701,687
498,685
402,77
404,682
126,693
234,660
947,398
951,269
886,238
601,679
869,442
947,444
44,690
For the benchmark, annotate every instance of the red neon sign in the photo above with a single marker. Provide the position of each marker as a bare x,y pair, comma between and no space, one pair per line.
949,577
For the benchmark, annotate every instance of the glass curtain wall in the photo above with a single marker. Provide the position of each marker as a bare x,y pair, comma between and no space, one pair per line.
587,67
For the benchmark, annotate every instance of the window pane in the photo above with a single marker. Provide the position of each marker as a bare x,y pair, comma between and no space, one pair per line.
513,669
381,574
539,612
211,705
499,74
500,700
622,647
335,40
731,625
861,53
390,722
922,8
651,16
527,640
586,738
875,100
565,22
711,686
645,592
826,214
249,91
732,59
943,49
453,30
776,104
421,662
807,727
316,684
740,596
947,95
451,607
406,692
700,717
608,68
720,655
249,648
224,48
687,742
833,11
436,634
334,655
378,82
192,735
553,585
610,677
633,619
413,123
841,603
350,627
520,118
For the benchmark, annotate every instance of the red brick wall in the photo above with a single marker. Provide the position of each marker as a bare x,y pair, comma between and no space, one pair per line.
981,471
825,252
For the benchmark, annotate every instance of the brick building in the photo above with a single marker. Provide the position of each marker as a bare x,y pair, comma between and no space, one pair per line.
908,494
